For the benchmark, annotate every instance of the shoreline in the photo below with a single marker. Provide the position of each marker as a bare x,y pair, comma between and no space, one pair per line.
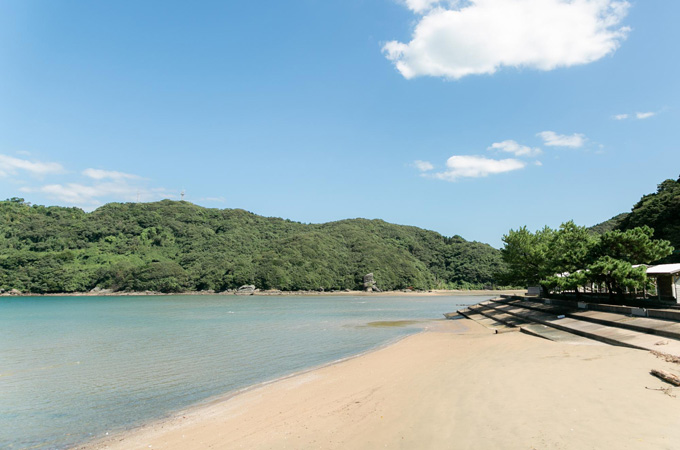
453,382
400,293
330,329
219,399
215,401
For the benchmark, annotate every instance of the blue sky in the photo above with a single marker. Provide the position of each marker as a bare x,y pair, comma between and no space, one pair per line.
468,117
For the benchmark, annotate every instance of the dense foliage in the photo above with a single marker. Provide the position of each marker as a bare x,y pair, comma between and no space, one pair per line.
660,211
172,246
608,225
572,256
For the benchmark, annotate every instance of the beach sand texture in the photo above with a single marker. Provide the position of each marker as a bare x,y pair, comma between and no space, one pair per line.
455,386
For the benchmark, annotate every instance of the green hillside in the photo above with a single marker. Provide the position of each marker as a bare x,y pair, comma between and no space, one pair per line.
659,211
173,246
608,225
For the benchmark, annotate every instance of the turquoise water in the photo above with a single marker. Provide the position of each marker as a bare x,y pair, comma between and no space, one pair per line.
75,368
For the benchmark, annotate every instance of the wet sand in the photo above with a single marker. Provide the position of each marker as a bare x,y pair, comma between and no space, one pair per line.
455,386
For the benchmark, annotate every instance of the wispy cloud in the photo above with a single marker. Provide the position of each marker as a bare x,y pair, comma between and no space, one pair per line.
10,165
644,115
637,115
476,166
552,139
453,39
87,189
88,196
516,149
98,174
423,166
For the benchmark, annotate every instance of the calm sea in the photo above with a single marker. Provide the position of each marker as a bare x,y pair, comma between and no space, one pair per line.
75,368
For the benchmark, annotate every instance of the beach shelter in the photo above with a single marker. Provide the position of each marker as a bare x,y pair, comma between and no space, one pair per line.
667,280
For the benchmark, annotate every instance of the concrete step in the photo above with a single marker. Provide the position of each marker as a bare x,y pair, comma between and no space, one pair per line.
653,309
604,333
525,326
536,305
491,324
553,334
659,327
493,314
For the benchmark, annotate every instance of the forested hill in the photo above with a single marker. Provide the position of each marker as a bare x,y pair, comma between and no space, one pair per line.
659,210
608,225
171,246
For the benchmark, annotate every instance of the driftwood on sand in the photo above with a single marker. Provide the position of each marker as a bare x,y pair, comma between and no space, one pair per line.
667,377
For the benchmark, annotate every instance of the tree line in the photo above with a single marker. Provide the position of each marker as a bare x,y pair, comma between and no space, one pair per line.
609,254
571,257
659,210
171,246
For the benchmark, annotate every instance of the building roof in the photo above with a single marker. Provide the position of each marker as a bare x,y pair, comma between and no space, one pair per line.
663,269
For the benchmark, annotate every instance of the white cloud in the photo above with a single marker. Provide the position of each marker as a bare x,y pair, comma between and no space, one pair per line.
538,163
476,166
88,196
638,116
423,166
454,39
424,6
80,194
644,115
420,6
10,165
516,149
103,186
98,174
552,139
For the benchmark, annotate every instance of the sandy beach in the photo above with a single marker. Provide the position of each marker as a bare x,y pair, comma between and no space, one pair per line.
454,386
